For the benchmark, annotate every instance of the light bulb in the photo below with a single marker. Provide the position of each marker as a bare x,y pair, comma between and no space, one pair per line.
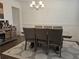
40,2
37,6
33,2
42,5
31,5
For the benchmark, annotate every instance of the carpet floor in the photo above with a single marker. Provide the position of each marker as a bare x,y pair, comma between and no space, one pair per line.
70,50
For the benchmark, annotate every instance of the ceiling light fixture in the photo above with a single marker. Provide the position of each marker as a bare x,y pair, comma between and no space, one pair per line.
37,5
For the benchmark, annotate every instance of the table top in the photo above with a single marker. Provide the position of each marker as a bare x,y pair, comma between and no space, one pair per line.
67,36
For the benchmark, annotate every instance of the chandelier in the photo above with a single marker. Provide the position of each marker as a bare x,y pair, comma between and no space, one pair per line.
37,5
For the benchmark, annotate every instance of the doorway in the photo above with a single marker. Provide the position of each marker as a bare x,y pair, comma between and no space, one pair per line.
16,19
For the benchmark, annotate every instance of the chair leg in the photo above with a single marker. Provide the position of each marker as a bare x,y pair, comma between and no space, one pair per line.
35,45
47,45
47,48
25,45
59,51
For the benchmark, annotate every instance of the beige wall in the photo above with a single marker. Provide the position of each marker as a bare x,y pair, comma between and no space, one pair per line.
55,12
7,8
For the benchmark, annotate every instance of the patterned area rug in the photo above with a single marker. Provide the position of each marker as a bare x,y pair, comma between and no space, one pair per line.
70,50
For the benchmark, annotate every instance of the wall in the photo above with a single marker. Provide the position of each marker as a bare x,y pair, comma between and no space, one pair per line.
55,12
7,7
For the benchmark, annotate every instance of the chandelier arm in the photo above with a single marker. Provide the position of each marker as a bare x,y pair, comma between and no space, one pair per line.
37,5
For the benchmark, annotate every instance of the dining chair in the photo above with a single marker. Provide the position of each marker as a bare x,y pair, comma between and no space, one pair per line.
47,27
57,27
29,34
55,39
41,37
38,26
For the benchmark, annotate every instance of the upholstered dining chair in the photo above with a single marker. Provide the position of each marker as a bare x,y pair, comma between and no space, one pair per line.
41,37
29,34
55,38
57,27
47,27
38,26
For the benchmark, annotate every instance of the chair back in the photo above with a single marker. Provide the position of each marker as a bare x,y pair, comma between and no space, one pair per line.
55,36
41,34
47,27
29,33
38,26
57,27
